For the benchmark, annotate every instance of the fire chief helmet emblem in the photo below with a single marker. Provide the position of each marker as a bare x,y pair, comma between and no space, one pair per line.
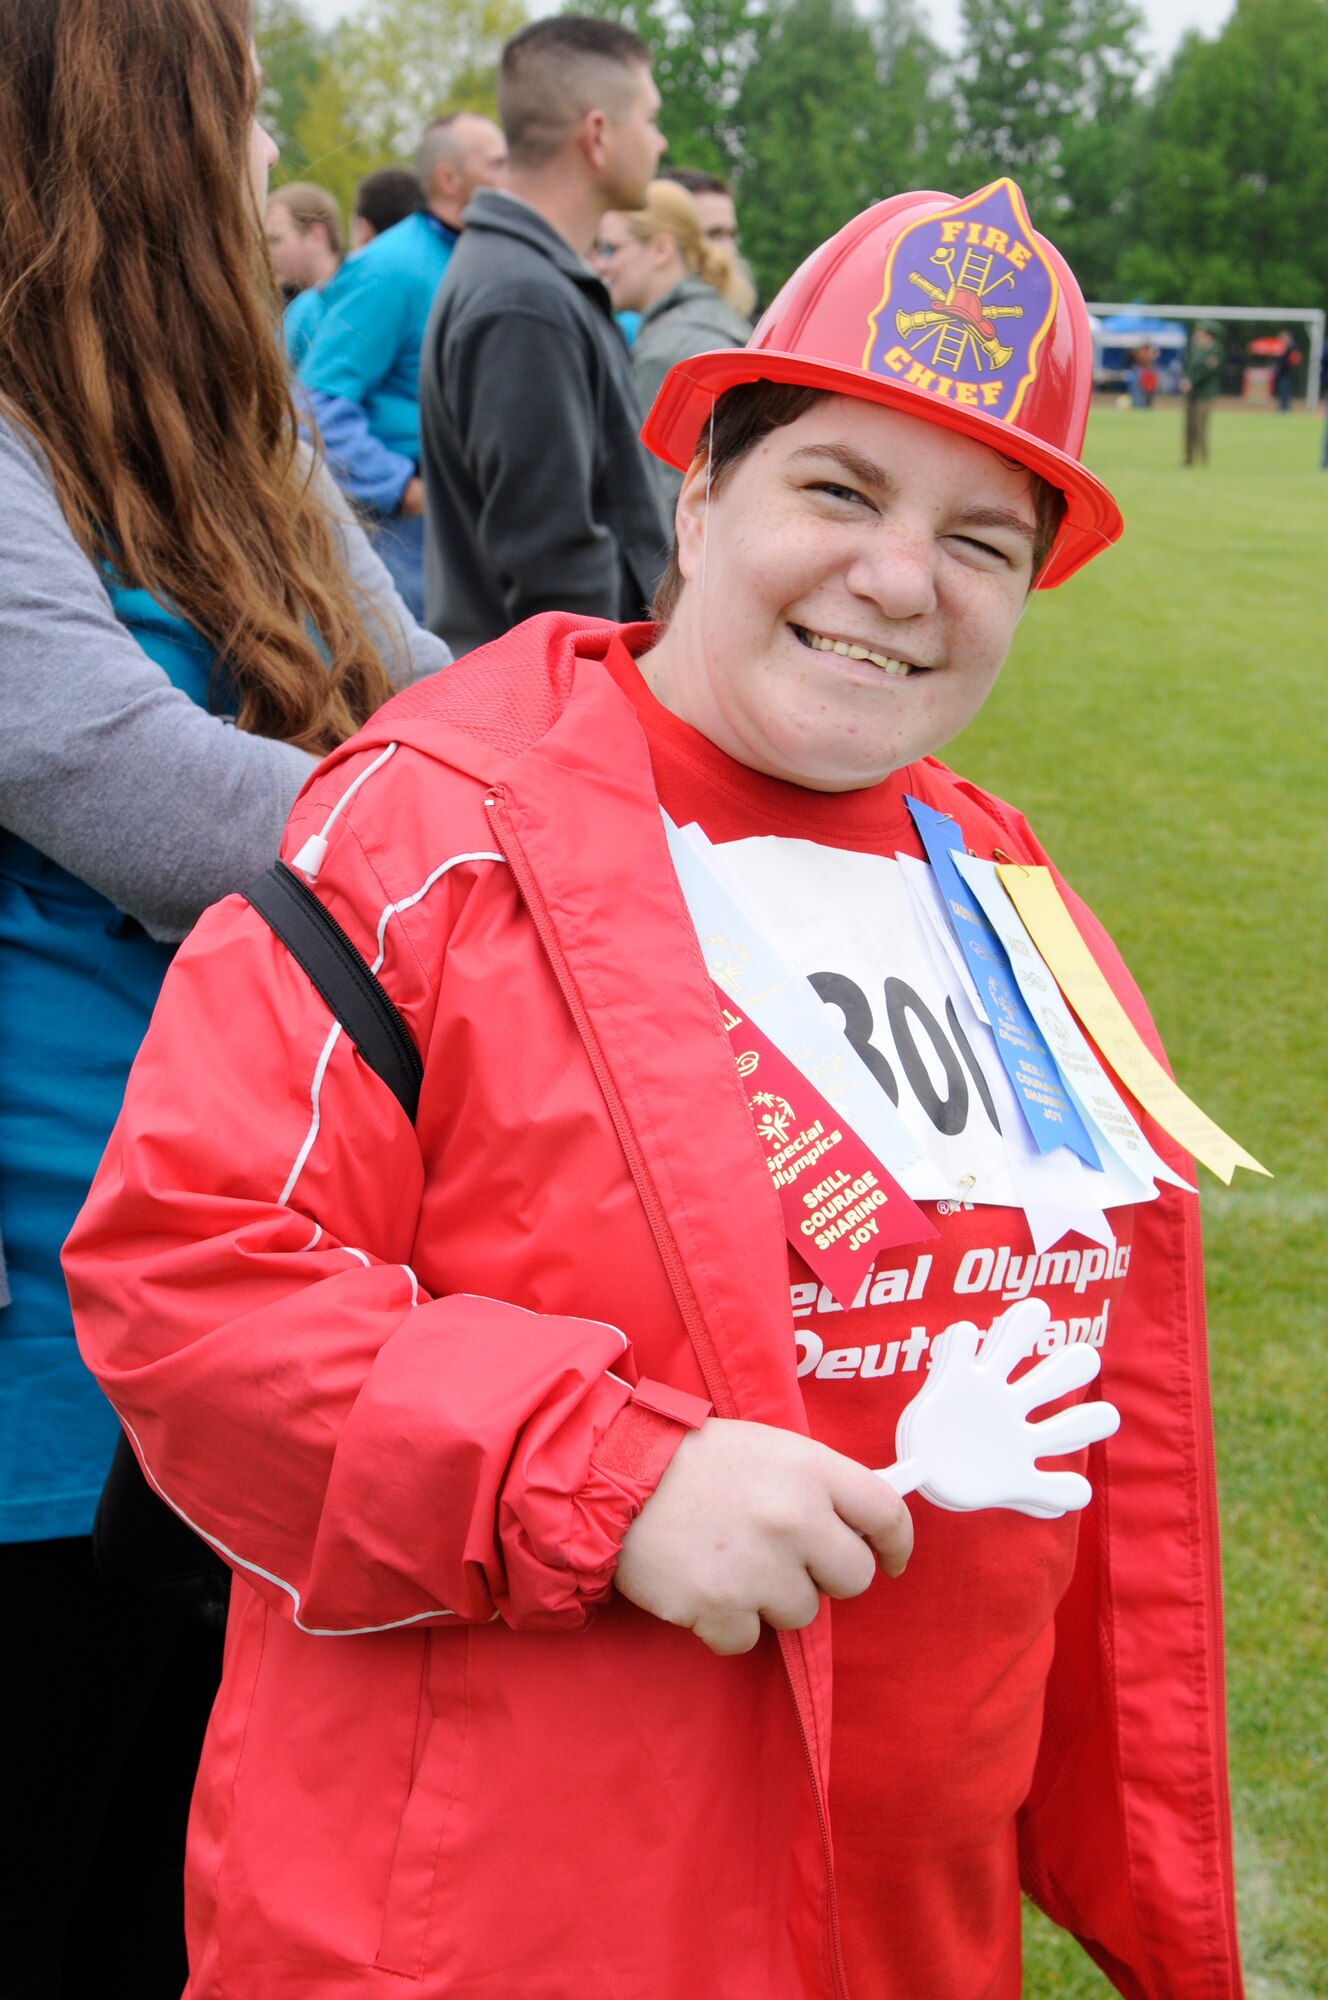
980,266
962,315
953,310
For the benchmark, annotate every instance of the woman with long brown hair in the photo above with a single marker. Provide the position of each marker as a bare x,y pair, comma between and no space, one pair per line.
188,620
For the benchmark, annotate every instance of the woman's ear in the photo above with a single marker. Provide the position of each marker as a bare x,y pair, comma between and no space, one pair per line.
689,520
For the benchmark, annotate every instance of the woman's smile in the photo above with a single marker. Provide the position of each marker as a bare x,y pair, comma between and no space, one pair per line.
855,649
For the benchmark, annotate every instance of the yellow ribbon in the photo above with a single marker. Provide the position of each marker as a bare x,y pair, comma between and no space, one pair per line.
1053,930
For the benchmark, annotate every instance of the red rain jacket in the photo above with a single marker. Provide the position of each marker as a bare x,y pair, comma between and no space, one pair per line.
379,1367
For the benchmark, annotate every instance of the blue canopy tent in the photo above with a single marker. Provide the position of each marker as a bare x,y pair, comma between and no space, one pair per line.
1123,333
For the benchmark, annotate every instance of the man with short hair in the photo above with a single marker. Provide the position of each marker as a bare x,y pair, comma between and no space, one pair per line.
382,200
540,494
362,369
713,196
302,226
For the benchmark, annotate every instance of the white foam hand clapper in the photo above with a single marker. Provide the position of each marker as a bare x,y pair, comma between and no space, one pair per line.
965,1441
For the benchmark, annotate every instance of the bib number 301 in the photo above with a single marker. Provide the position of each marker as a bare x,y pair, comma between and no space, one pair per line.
906,1016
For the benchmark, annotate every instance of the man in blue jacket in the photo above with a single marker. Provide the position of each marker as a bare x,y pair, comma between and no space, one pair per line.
361,371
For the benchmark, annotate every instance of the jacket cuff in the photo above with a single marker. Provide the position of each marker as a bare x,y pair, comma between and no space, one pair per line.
676,1404
628,1462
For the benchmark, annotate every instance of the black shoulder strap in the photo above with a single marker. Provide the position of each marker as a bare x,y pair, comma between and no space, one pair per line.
317,942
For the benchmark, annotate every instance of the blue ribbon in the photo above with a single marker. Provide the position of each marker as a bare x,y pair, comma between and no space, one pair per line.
1029,1063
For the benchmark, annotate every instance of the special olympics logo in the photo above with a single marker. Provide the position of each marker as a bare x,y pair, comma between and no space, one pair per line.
726,961
775,1118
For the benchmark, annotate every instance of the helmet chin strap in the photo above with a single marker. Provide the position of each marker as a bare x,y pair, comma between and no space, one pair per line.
705,525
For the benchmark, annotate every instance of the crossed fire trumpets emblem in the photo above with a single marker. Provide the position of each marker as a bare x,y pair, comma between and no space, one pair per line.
961,315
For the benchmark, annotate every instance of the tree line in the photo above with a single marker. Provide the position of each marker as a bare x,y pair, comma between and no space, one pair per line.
1207,182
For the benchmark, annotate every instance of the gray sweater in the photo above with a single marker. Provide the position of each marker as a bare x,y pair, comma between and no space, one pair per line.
106,767
540,493
691,319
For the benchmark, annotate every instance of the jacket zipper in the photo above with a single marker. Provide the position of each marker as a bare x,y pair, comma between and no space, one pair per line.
508,839
1213,1594
720,1394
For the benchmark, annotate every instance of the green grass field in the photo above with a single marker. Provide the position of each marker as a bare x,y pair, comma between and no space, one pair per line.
1163,721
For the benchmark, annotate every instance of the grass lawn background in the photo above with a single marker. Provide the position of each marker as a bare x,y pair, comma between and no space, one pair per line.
1163,721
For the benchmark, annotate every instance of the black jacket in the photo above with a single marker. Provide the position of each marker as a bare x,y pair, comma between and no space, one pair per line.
540,494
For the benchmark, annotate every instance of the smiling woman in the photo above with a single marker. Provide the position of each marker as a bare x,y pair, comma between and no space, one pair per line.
539,1430
885,550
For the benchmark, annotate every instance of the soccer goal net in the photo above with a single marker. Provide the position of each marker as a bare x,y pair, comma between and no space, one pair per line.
1309,317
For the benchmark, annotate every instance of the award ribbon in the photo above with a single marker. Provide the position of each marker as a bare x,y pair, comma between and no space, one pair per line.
1056,935
1028,1062
1115,1132
841,1207
833,1165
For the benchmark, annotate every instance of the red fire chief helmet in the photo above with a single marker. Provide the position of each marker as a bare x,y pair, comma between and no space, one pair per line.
957,311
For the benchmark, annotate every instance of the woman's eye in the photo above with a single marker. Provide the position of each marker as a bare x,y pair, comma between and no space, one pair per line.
834,491
985,550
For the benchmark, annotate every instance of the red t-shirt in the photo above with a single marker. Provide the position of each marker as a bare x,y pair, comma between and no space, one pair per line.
939,1675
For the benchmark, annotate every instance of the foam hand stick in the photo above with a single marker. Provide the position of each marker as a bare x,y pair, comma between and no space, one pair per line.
965,1441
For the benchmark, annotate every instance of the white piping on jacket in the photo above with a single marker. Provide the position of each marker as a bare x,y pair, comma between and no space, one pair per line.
269,1576
256,1569
418,895
320,1070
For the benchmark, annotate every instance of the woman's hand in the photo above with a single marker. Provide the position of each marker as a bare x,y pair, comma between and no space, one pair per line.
752,1523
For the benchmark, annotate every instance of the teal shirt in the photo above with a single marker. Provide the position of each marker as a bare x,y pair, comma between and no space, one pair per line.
367,346
79,983
301,321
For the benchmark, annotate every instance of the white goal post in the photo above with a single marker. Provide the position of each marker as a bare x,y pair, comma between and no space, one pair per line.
1310,316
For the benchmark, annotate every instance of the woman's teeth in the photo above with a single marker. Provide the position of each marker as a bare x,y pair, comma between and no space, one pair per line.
851,652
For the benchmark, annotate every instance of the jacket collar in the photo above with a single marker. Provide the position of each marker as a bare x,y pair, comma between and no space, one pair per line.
441,229
685,289
495,211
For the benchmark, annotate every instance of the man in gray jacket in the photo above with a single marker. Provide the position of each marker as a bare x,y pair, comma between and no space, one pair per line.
539,495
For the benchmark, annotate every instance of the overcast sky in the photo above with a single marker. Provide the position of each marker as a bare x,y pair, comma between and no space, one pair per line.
1167,19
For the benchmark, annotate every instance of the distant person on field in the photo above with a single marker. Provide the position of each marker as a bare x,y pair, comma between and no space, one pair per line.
362,368
1200,385
1284,372
1147,375
713,196
303,231
541,496
382,200
657,261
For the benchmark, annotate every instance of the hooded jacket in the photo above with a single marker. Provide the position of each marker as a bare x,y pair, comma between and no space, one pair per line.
415,1383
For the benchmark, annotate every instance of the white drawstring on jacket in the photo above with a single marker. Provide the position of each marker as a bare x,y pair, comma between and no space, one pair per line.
313,854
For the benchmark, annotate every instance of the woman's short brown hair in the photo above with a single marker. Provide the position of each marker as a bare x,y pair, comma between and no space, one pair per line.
745,415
